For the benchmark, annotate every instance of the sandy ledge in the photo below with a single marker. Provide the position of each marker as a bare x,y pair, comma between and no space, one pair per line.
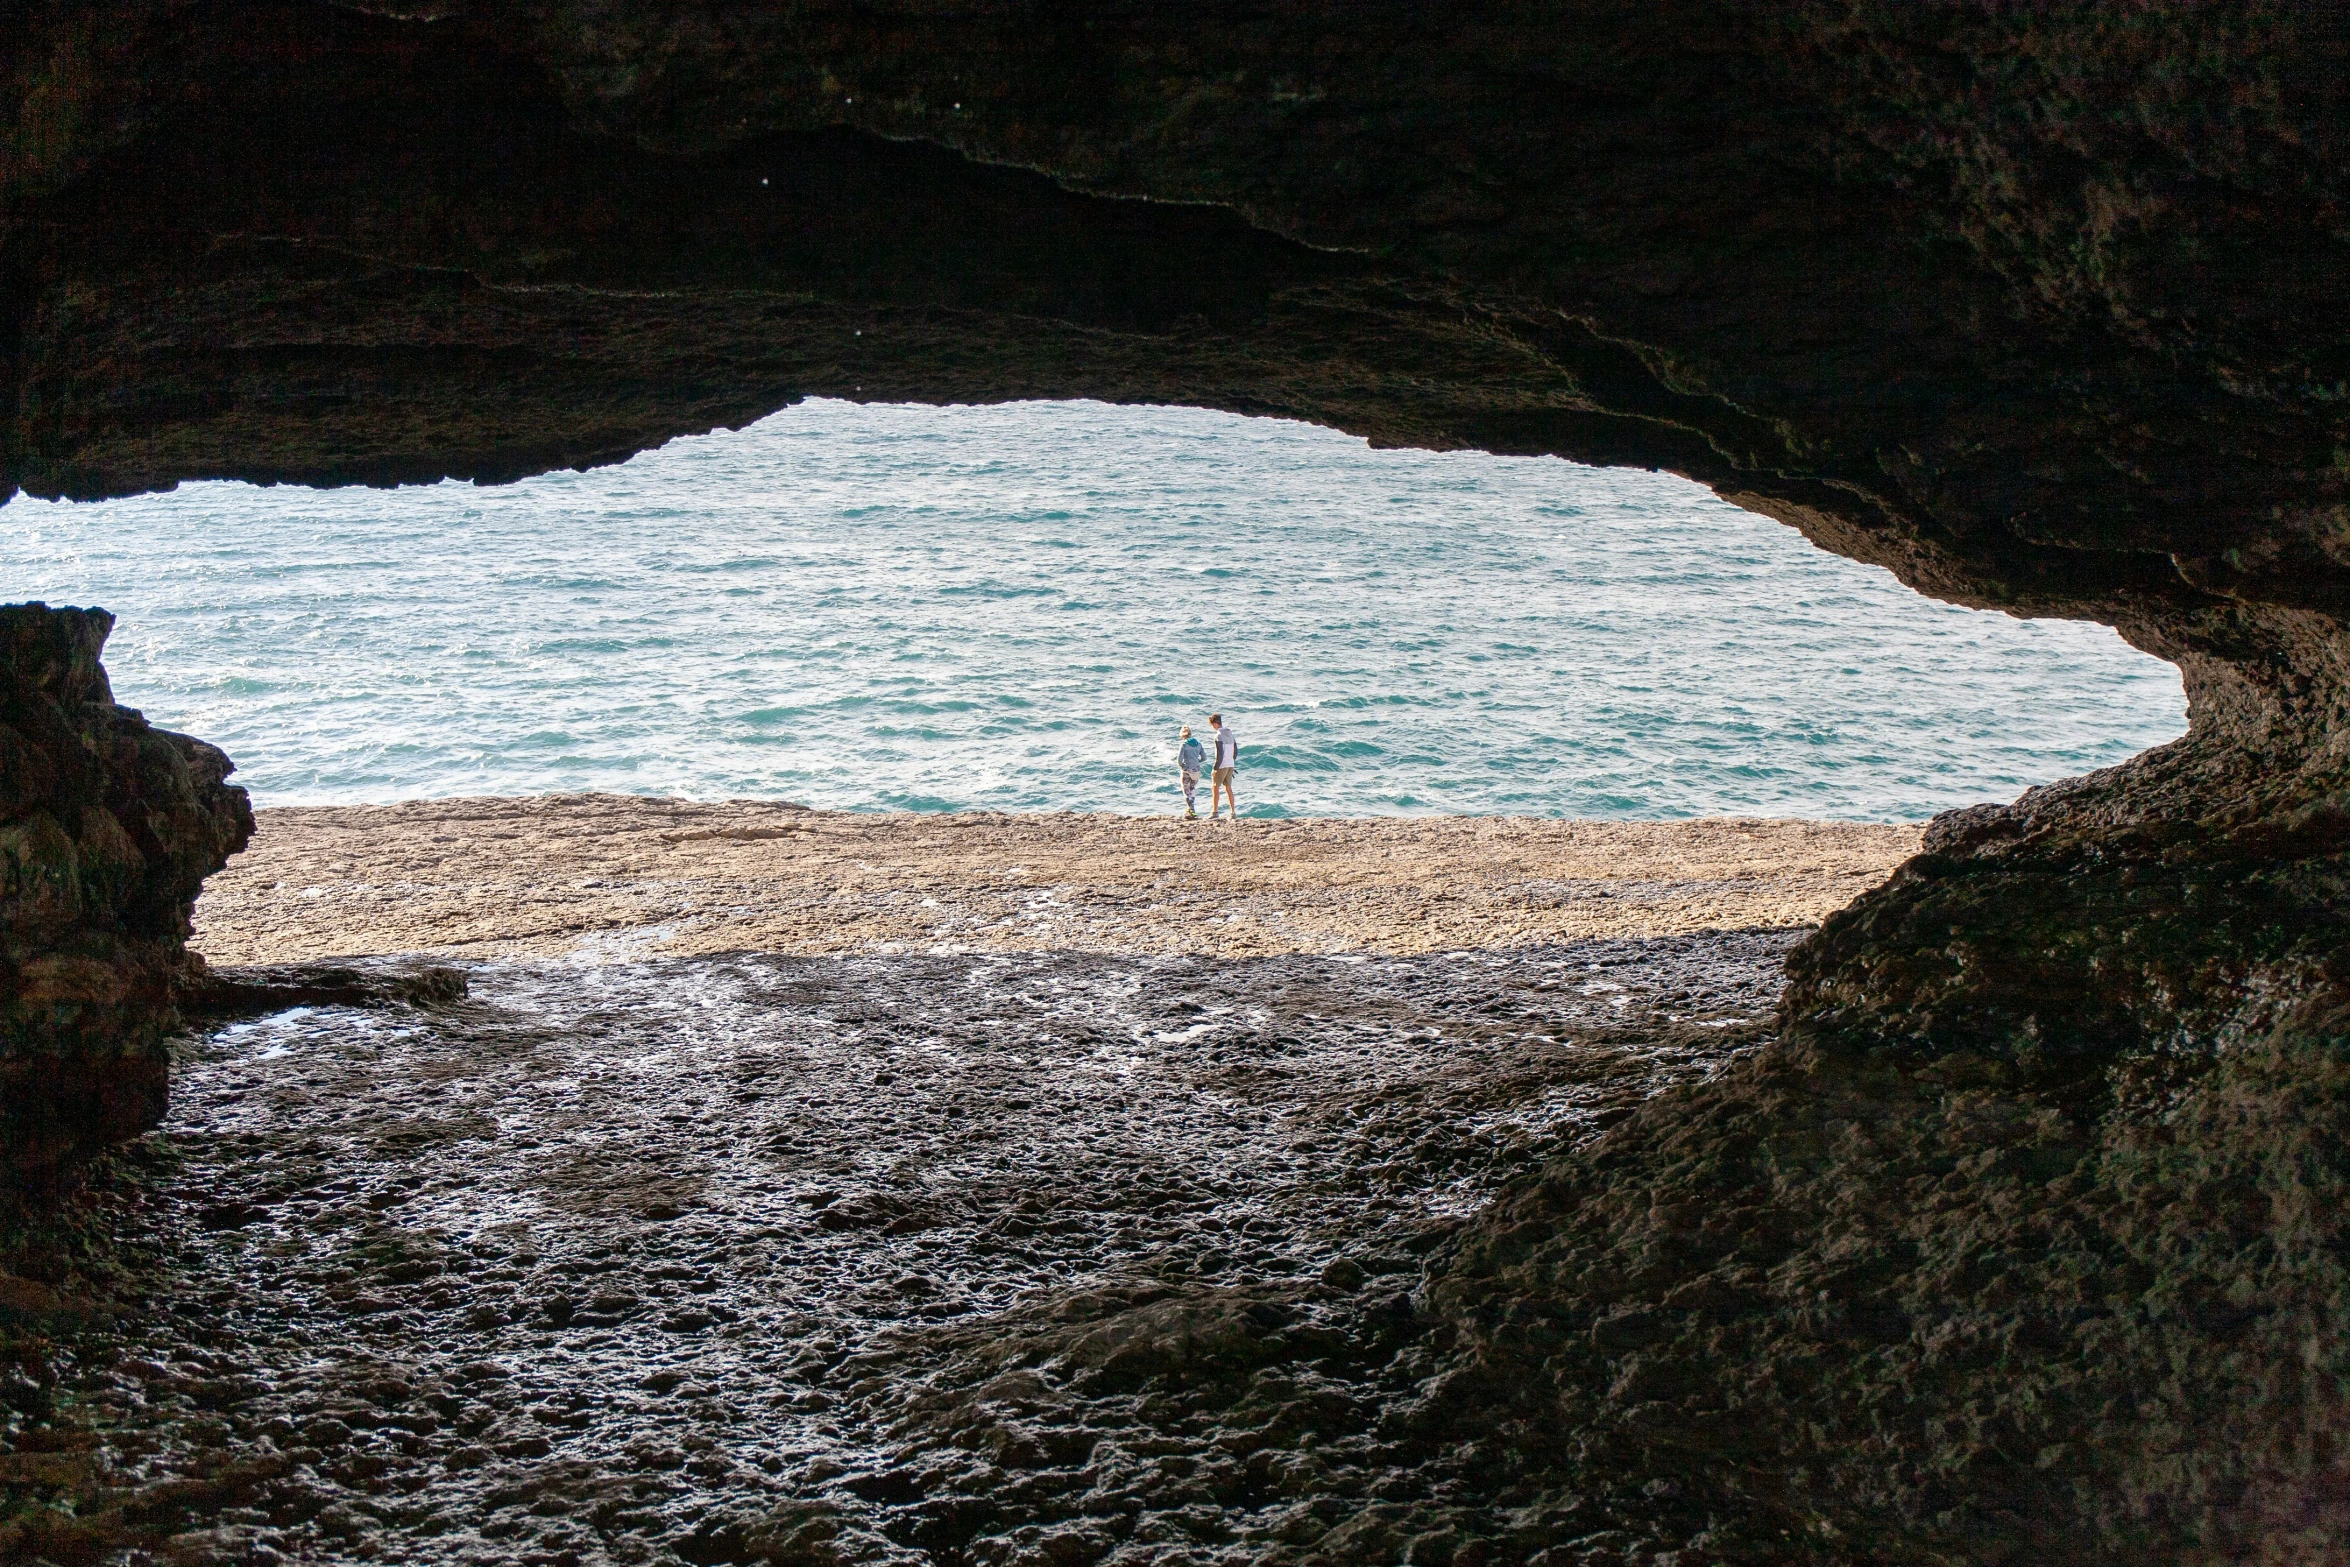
626,876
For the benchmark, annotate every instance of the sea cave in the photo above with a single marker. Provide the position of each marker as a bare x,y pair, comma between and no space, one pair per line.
2011,1231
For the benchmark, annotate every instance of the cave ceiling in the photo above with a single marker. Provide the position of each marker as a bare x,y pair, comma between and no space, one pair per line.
2043,310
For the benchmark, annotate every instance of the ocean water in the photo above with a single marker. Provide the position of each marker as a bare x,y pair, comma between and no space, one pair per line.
1015,607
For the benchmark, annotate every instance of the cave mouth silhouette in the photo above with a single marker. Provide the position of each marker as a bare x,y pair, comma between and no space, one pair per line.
2023,1238
339,247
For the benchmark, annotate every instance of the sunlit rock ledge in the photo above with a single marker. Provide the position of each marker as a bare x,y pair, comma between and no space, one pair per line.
626,876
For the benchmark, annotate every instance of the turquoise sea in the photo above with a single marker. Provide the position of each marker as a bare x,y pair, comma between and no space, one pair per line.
1015,607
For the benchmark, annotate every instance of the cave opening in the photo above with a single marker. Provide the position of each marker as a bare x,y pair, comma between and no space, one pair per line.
1014,607
1598,1214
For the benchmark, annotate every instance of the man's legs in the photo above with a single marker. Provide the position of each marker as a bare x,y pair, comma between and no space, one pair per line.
1223,792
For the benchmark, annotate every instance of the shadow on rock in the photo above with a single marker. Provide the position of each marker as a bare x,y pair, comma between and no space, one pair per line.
250,991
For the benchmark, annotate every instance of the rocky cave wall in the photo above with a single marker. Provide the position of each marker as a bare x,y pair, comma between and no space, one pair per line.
2024,1233
108,827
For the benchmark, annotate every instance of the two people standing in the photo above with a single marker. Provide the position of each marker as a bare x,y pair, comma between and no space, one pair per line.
1190,755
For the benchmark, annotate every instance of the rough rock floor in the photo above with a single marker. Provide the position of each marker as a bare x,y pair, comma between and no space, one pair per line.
949,1259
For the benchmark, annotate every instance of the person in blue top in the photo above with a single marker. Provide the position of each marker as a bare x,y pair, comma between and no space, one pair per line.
1191,759
1227,763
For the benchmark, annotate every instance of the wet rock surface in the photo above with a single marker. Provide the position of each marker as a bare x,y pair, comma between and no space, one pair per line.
949,1259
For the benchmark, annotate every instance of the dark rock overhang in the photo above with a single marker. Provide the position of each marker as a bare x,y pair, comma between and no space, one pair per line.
2024,1242
2043,310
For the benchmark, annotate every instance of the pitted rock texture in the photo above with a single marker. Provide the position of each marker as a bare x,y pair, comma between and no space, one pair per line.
108,827
1973,1311
998,1258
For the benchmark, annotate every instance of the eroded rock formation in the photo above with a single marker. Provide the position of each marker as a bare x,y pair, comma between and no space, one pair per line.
2024,1242
108,827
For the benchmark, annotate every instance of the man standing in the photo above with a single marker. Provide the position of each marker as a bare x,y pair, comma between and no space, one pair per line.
1227,761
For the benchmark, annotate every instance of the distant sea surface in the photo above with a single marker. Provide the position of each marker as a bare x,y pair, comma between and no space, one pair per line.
1015,607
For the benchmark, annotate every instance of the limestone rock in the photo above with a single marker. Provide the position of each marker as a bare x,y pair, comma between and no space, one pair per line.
108,826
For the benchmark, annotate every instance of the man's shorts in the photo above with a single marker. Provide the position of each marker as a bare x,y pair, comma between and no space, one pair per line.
1224,775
